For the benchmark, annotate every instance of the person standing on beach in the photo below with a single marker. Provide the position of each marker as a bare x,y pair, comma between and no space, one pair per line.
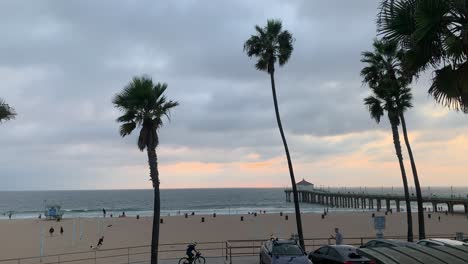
61,230
338,237
104,212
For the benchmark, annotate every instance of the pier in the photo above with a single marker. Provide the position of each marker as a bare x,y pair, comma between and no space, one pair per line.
371,201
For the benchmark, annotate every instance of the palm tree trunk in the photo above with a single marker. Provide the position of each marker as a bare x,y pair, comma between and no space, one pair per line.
154,174
417,186
291,171
396,142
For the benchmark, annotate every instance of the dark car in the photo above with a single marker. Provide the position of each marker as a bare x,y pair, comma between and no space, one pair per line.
343,254
385,243
278,251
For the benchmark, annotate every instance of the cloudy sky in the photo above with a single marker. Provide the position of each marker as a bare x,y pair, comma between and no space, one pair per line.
61,62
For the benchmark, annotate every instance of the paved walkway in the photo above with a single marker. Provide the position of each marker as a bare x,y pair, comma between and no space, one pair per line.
236,260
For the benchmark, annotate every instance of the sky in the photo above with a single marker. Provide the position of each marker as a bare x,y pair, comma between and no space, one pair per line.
61,62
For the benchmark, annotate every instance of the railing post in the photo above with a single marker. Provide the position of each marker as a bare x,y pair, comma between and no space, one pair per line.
362,241
58,259
128,255
94,257
226,250
230,255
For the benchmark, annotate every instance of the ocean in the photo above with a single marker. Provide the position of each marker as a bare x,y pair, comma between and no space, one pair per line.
89,203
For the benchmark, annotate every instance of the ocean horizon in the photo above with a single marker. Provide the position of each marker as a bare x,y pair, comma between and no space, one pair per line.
201,201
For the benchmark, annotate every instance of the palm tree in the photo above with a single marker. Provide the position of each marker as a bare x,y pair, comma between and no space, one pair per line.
269,45
388,84
144,106
6,111
435,35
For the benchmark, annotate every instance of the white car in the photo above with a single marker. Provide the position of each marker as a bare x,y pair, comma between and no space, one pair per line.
434,242
280,251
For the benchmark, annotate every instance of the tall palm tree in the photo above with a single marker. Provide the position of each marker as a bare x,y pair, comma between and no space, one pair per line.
384,76
144,106
269,45
6,112
435,34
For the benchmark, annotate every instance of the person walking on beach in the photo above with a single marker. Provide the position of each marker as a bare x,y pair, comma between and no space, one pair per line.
61,230
99,243
338,237
104,212
51,231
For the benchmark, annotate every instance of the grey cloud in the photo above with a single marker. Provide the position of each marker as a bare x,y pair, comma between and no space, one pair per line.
62,61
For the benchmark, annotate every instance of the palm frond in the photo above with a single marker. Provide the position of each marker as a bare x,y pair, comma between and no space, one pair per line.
285,43
127,128
374,105
273,27
6,111
143,105
396,20
450,87
269,45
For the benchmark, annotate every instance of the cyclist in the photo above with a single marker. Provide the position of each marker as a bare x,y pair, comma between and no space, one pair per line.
190,250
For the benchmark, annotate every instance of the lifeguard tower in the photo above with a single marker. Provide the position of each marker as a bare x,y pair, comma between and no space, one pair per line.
53,212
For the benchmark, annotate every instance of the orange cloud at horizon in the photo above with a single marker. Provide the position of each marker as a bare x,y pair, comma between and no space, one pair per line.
371,164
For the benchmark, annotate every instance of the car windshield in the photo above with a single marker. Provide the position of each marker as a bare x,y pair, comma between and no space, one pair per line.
286,250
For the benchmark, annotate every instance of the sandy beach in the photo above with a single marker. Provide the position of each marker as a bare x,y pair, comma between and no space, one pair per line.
21,238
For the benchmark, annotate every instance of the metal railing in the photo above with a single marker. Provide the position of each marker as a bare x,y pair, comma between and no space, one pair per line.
125,255
141,254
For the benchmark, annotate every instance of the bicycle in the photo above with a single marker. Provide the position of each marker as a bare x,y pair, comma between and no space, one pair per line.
197,259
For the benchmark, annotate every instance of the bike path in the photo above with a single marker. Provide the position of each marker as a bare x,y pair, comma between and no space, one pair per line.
235,260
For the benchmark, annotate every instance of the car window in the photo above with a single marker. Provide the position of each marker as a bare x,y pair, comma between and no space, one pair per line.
287,250
354,255
422,243
322,251
332,253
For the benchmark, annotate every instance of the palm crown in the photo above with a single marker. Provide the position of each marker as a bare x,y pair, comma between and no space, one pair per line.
387,80
434,33
271,44
6,111
144,105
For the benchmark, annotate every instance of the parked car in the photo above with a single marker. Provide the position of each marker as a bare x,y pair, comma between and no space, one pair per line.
343,254
385,243
279,251
433,242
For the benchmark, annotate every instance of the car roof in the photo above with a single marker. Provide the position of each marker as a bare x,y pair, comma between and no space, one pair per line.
345,248
284,242
395,242
446,241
